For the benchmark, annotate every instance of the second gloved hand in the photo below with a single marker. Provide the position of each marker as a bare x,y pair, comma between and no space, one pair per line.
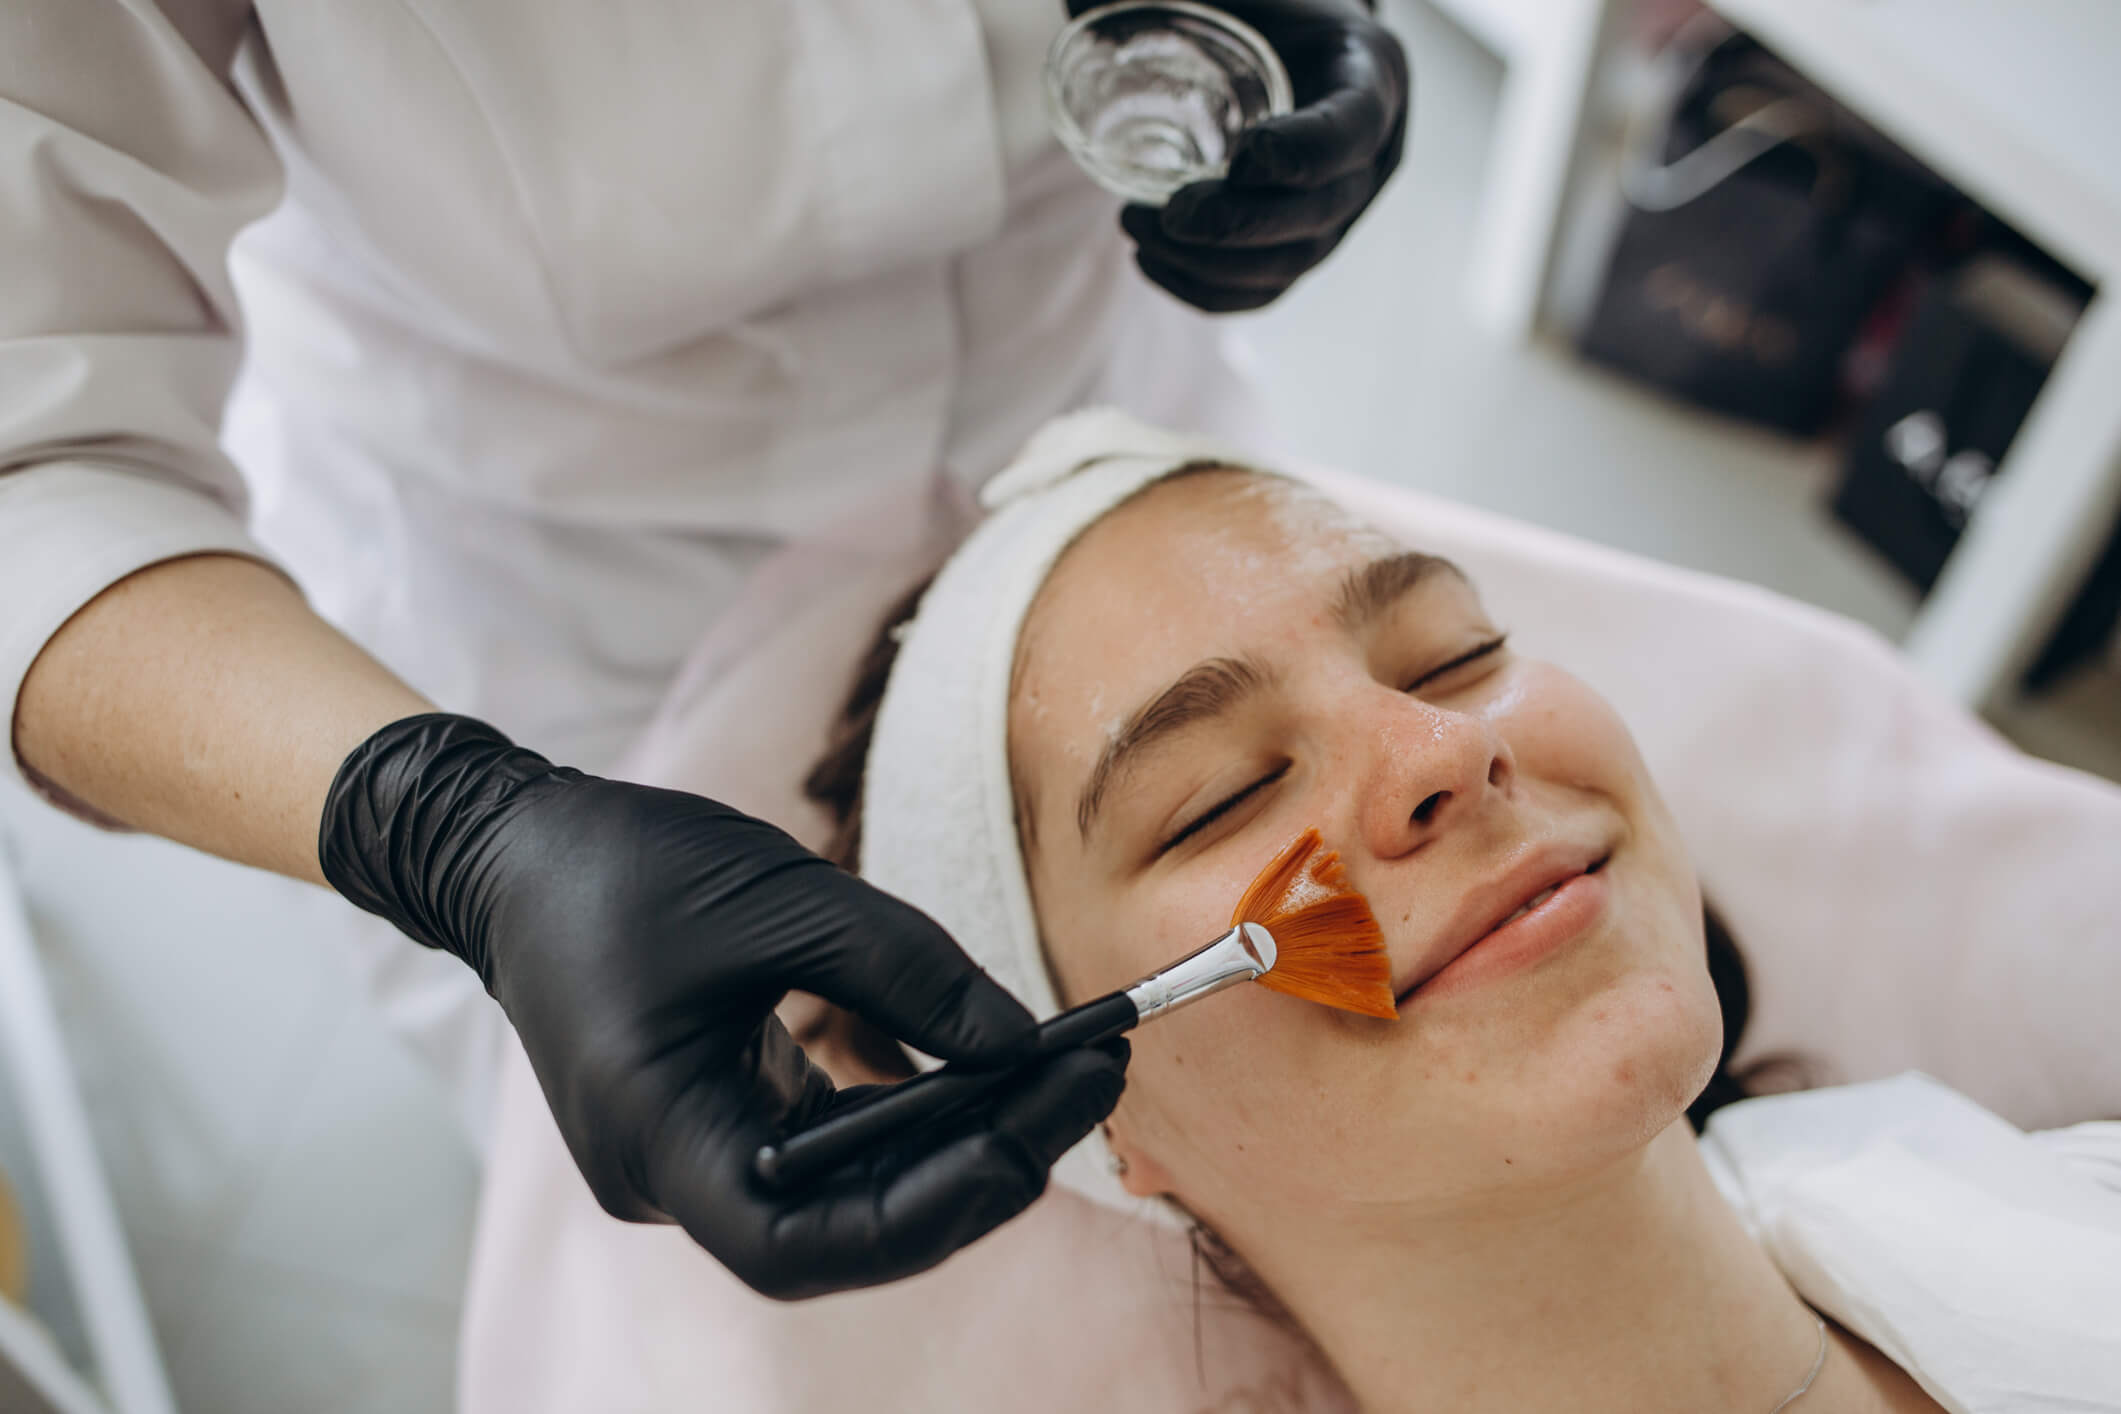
1296,183
639,940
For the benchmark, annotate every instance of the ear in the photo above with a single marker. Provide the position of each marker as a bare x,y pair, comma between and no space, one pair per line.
1144,1176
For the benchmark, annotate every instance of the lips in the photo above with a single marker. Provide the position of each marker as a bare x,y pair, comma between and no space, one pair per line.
1537,899
1532,881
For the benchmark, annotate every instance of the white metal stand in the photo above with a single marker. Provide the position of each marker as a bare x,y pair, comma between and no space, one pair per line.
2037,531
1550,51
128,1364
2016,105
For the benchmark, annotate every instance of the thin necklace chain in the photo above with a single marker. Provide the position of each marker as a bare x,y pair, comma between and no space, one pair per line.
1818,1363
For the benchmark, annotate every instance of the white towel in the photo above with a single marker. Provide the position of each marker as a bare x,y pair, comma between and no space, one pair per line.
1984,1261
938,814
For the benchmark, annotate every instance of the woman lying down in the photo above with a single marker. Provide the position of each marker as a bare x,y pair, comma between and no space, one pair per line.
1496,1202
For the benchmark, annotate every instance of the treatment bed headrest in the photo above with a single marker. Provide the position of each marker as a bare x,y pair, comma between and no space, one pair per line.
1910,892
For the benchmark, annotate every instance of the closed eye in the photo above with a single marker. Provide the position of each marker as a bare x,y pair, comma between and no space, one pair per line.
1493,645
1231,802
1222,808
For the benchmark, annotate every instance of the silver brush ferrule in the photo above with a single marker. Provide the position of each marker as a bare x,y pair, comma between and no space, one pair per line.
1240,955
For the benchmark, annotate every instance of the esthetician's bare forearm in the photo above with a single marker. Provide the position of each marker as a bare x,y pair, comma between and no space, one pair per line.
202,700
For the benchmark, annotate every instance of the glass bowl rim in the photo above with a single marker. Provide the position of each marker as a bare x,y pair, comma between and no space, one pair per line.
1281,95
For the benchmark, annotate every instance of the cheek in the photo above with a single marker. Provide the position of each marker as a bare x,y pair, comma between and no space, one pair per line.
1559,729
1243,1085
1099,939
1563,736
1242,1092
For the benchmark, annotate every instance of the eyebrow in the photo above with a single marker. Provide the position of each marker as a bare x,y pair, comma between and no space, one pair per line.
1371,589
1211,688
1207,690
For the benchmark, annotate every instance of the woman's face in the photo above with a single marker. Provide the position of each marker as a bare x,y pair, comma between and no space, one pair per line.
1227,660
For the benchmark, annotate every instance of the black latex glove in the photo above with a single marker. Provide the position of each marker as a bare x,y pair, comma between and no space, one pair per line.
639,939
1296,183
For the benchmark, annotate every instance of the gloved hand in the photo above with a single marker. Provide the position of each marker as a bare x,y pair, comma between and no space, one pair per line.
639,939
1296,183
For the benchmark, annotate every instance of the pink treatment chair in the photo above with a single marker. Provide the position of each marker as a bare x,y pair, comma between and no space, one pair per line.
1909,890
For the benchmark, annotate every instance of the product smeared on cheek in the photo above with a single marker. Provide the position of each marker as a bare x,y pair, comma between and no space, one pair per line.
1331,949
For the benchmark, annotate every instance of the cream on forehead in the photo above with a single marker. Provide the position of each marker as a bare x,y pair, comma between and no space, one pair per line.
1301,509
1312,534
1286,534
1314,531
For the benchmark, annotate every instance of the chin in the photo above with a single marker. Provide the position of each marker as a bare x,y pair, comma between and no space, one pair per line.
1623,1066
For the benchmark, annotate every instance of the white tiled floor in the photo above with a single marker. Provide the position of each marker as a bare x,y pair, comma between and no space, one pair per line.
297,1193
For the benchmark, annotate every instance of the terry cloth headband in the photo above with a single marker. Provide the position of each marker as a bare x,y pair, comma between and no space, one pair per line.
938,812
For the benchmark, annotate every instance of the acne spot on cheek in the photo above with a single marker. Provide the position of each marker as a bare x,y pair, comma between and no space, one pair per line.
1599,1015
1470,1076
1624,1073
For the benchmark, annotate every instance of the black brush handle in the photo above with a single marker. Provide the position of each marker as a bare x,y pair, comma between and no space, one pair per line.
809,1154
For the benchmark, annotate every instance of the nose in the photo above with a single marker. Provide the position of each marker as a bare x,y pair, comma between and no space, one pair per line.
1431,768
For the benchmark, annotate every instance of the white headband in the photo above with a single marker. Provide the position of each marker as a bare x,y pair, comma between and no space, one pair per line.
938,812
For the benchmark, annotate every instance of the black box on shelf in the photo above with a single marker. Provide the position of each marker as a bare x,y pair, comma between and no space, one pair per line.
1964,374
1765,224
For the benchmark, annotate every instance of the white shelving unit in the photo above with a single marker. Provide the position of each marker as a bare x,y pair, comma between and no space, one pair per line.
34,1376
1551,52
2016,105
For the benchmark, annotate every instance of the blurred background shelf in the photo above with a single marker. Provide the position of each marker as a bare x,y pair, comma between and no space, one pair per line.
2016,105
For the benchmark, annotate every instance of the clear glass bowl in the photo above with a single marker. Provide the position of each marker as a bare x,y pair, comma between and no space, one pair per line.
1150,95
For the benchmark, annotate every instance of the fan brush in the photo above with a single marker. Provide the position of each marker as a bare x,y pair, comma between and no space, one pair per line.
1299,928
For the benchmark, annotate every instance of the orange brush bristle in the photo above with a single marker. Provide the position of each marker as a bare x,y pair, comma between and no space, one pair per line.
1331,950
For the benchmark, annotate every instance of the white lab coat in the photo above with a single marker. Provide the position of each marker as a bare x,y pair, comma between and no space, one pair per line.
573,317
